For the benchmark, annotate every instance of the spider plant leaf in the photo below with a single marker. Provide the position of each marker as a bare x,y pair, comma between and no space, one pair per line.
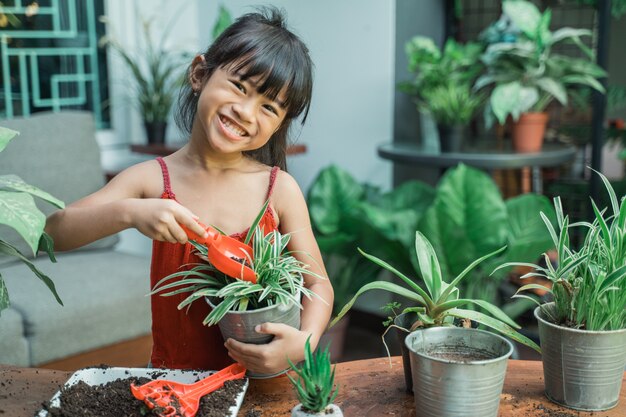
256,222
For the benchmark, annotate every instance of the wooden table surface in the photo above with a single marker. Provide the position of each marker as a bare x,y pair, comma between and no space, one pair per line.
367,388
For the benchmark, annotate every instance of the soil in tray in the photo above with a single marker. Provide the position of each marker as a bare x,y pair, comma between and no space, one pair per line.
114,399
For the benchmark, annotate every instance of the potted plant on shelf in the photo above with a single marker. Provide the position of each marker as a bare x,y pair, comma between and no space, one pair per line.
442,85
528,74
433,317
583,331
238,306
157,72
315,386
346,214
18,211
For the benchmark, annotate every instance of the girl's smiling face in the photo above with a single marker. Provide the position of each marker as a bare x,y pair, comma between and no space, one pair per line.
233,115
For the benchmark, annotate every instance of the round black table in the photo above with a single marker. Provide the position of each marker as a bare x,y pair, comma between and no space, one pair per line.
486,154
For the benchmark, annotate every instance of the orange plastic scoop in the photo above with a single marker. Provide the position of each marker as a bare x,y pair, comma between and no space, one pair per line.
170,398
228,255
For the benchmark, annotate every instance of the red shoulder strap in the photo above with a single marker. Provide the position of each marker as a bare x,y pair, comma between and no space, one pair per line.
167,188
273,175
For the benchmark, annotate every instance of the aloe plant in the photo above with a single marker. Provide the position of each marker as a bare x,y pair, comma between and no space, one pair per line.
280,277
18,211
315,386
440,303
588,284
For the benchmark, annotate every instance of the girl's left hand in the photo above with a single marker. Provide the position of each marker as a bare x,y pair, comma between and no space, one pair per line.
272,357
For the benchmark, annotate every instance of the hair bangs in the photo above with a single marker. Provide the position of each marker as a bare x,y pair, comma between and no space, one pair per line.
279,70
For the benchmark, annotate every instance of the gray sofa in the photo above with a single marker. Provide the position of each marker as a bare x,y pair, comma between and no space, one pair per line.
103,289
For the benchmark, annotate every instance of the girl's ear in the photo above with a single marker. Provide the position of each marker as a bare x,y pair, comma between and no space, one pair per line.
196,74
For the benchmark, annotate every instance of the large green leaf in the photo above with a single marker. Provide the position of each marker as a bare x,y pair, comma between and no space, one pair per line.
333,192
525,15
15,183
467,220
11,251
512,99
18,210
528,236
5,137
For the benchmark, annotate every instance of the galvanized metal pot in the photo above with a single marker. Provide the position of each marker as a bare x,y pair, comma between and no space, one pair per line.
456,385
582,369
239,325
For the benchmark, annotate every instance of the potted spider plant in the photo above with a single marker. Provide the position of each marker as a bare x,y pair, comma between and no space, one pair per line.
315,386
583,330
19,211
238,306
474,356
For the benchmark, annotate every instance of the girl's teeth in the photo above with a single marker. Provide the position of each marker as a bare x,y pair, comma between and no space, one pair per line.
233,128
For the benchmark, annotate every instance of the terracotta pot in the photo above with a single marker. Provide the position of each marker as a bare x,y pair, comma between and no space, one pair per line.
528,132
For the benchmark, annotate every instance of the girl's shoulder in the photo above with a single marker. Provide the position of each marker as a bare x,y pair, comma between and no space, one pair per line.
286,192
145,177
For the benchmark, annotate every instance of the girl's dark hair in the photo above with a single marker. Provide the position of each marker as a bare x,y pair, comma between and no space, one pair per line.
259,44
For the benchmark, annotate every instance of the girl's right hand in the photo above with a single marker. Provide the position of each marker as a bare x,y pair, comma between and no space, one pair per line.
161,219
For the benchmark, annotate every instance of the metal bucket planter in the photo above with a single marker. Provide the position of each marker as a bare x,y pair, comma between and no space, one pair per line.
456,385
582,369
239,325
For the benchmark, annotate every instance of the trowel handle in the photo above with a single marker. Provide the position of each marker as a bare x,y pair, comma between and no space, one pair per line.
213,234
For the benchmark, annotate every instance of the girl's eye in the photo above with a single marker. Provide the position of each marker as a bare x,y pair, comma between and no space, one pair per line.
239,86
271,109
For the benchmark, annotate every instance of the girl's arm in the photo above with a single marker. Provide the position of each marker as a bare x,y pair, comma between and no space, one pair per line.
119,205
293,213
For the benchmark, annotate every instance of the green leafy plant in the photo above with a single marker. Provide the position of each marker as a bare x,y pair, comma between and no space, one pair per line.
439,304
453,104
279,277
588,284
443,79
469,219
156,70
346,214
315,386
18,211
523,66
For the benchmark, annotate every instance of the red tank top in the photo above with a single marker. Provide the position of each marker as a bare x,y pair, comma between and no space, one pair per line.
180,340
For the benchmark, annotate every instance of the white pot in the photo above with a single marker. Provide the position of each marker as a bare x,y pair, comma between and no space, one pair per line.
330,411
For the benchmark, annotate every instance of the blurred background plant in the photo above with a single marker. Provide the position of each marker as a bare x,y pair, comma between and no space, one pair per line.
157,69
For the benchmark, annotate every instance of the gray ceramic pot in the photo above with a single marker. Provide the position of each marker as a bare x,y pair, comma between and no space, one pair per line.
457,372
239,325
582,369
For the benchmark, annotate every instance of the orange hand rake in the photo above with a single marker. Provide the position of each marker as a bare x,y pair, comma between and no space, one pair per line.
172,399
228,255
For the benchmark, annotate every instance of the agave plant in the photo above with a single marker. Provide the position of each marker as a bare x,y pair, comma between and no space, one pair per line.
315,386
589,284
279,277
440,303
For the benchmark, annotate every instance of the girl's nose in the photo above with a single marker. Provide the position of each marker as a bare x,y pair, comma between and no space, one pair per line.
244,110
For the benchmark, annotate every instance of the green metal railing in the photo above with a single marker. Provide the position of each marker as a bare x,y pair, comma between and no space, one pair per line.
54,64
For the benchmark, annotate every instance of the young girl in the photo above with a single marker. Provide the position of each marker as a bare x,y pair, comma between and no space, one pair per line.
241,97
